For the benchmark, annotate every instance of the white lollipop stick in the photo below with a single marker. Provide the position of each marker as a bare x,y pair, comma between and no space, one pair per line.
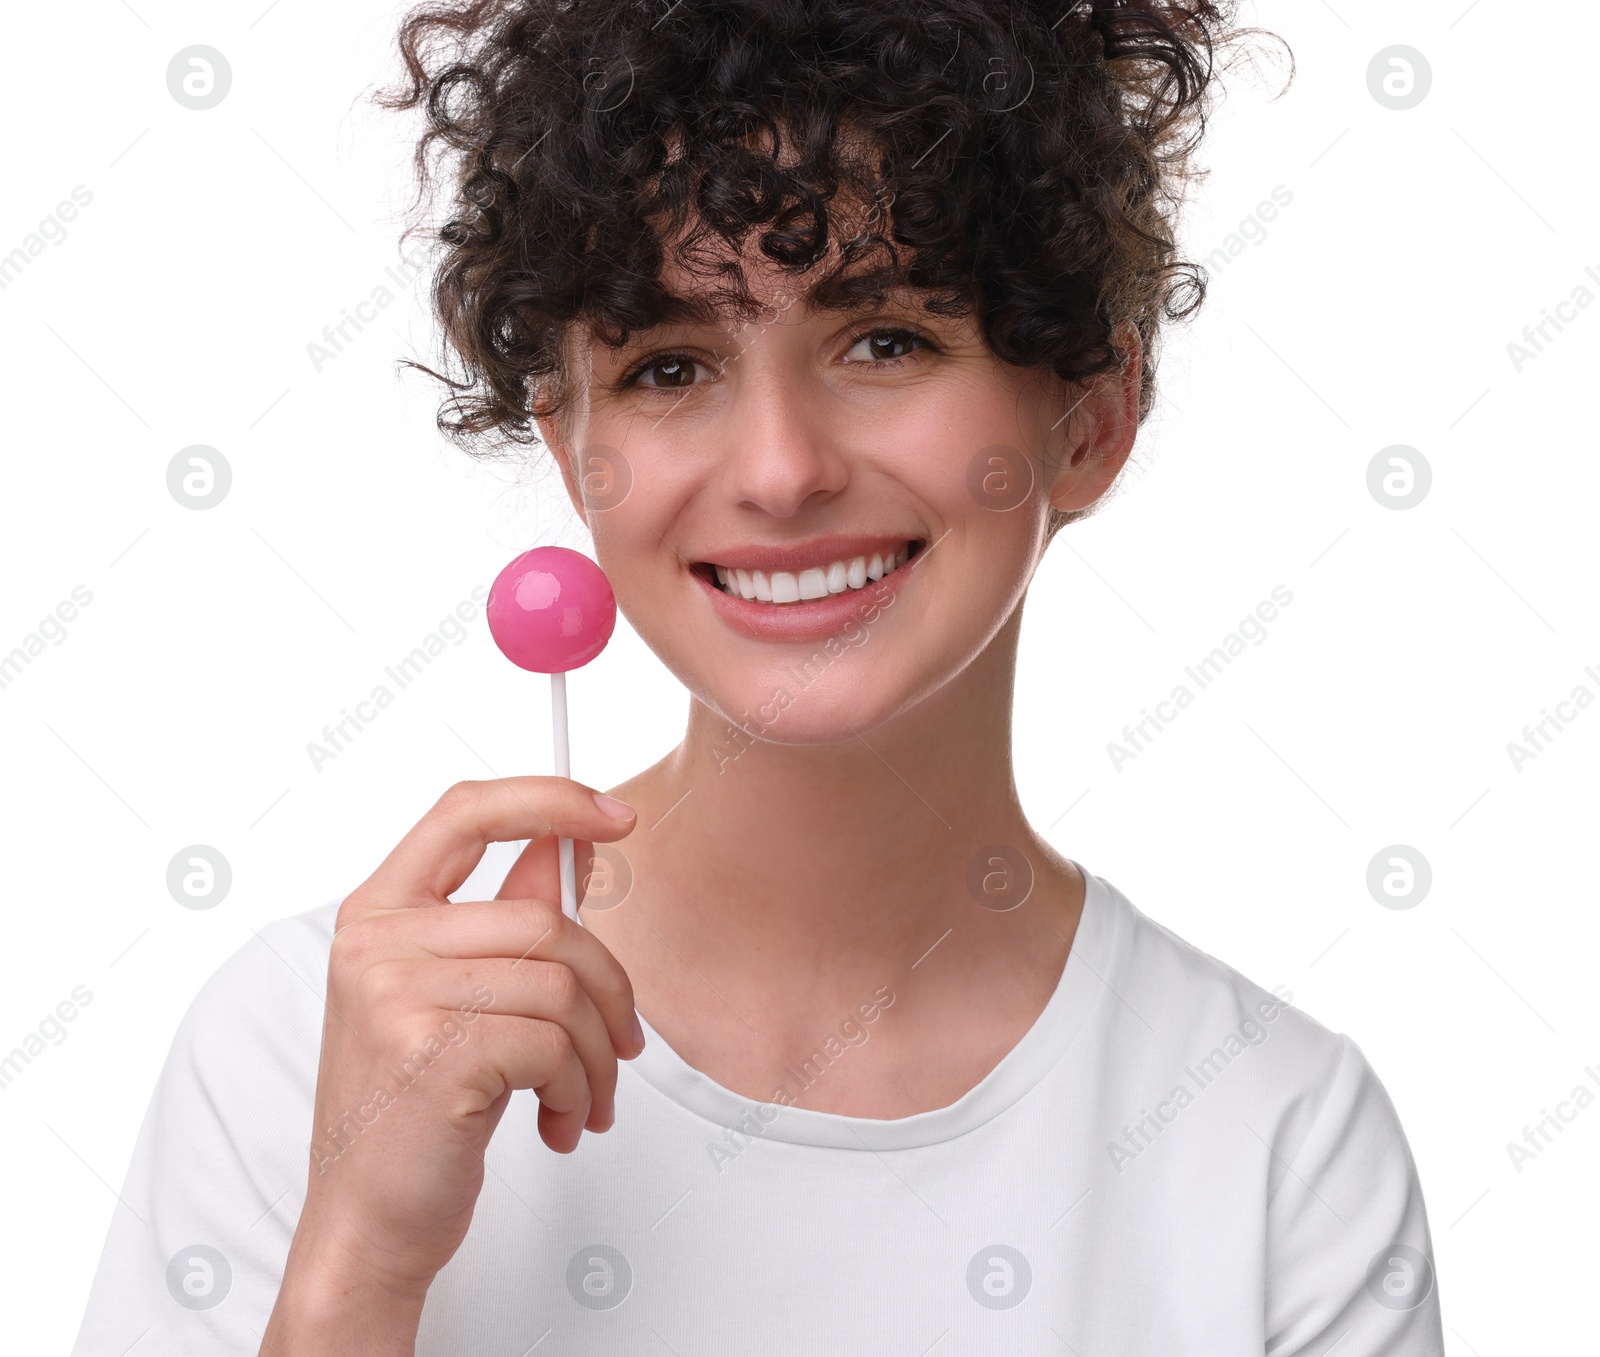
558,721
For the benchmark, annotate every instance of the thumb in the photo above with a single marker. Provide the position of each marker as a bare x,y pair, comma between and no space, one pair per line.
536,874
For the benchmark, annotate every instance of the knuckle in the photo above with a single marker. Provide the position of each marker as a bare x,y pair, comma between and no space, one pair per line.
460,798
619,989
538,920
561,988
483,1077
383,984
414,1036
351,908
558,1045
354,948
614,989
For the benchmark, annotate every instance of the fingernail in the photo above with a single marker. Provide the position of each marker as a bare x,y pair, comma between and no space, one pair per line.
638,1031
617,810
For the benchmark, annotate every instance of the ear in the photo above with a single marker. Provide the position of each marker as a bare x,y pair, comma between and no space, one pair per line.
1101,427
553,435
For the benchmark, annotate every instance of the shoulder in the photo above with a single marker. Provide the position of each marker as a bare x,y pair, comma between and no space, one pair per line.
1190,997
273,989
1188,1020
1232,1090
242,1063
276,980
294,947
222,1152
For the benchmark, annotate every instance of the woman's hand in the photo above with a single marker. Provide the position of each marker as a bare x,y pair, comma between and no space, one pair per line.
436,1011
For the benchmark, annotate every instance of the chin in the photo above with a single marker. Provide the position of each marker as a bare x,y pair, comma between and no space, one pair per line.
783,709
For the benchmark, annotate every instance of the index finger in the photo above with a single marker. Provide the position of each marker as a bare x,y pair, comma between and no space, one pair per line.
443,847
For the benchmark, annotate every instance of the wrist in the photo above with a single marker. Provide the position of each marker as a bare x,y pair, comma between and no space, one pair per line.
307,1322
333,1300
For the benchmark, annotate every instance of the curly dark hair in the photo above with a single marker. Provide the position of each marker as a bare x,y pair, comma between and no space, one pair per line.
1018,162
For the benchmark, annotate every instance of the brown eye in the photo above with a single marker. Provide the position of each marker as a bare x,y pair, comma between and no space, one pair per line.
668,372
883,345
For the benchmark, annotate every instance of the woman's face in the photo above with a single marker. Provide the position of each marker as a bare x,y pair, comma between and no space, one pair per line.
815,448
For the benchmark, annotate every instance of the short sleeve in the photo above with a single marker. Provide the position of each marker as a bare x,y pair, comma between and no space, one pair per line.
1349,1257
195,1253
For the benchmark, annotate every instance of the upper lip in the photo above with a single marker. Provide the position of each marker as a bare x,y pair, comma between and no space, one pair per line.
818,551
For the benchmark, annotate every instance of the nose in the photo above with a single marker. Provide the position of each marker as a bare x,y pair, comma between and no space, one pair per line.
782,455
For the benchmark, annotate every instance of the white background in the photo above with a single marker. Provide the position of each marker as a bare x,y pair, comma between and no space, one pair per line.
1376,310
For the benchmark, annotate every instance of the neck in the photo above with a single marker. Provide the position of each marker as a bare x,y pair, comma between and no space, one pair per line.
807,873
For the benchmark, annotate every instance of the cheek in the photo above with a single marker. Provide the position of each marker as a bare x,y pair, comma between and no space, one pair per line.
631,539
980,478
628,544
605,478
987,573
969,444
986,491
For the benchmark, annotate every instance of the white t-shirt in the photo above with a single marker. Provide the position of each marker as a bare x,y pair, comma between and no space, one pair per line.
1170,1161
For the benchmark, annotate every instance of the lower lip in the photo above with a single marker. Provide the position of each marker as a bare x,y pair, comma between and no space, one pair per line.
812,619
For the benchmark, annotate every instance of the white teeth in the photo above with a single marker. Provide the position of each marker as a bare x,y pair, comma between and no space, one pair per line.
787,586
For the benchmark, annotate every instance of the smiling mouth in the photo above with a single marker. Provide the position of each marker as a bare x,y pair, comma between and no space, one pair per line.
783,587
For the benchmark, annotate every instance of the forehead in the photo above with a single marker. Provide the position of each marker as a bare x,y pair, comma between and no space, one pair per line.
709,285
719,287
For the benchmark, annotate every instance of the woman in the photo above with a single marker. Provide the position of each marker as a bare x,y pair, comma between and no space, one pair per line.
831,316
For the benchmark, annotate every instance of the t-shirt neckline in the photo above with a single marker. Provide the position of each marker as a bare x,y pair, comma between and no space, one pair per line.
1080,987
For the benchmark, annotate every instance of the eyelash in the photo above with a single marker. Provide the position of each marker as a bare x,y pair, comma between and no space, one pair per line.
657,359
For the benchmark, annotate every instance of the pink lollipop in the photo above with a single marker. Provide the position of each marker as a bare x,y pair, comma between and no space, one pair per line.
552,610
